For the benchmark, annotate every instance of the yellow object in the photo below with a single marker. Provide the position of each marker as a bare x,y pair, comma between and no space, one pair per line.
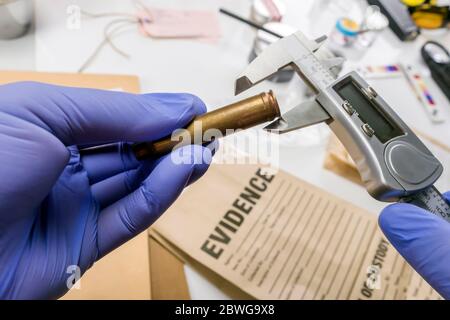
428,20
350,24
413,3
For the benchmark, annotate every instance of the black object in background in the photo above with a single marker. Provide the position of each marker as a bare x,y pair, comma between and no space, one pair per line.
400,20
250,23
437,59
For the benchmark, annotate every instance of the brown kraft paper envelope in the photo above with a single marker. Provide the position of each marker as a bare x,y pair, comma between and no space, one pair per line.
274,236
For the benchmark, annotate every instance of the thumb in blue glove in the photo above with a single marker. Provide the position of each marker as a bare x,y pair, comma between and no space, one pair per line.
423,239
58,209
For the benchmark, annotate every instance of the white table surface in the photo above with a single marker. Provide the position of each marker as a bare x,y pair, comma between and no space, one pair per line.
209,71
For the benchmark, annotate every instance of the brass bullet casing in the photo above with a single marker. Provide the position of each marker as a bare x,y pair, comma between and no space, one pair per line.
240,115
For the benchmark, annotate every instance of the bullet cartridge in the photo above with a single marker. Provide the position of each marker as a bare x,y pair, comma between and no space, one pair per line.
240,115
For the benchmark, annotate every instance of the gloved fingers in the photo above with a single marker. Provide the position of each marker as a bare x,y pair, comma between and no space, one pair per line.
107,161
82,116
423,239
447,196
134,213
118,186
114,188
213,146
110,160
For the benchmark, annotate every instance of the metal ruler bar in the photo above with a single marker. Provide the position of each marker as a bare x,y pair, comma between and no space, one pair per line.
432,200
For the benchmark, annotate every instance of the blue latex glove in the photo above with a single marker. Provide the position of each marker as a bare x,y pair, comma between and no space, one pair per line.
423,239
58,209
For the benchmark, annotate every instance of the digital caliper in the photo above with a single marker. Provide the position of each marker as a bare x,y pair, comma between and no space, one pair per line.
392,161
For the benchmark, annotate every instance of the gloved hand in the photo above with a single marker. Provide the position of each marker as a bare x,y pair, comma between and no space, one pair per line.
423,239
59,210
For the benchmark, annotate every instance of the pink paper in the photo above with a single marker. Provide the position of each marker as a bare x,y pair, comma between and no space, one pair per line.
273,10
169,23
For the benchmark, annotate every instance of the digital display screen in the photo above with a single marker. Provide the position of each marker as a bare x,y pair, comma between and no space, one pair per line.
368,110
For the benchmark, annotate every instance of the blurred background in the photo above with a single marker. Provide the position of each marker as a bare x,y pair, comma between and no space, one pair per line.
383,40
